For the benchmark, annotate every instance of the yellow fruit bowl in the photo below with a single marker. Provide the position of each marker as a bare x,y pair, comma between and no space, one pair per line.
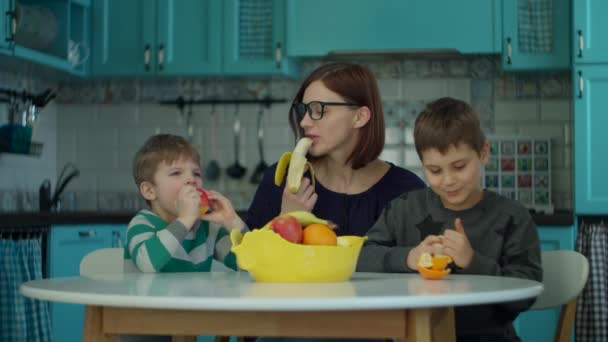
270,258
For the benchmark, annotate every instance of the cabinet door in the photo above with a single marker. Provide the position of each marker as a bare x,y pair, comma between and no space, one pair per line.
188,40
254,38
588,40
518,55
5,26
590,122
67,246
123,37
528,323
319,27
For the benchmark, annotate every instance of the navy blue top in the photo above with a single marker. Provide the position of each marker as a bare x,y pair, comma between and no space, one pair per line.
354,214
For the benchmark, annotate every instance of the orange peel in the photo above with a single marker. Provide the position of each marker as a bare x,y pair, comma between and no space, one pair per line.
434,267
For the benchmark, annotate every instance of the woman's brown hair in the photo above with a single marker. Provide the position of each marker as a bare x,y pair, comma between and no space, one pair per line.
446,122
355,83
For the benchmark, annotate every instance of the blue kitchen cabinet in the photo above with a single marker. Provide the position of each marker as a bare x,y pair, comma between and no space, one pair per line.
320,27
589,24
539,325
590,122
6,24
68,244
517,55
254,38
160,37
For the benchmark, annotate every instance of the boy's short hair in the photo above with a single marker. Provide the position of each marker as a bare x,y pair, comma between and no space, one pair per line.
446,122
158,149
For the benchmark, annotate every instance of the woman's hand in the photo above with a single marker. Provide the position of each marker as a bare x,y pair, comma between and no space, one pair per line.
304,199
222,212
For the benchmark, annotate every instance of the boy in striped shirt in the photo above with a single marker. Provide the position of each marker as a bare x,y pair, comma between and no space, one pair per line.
172,236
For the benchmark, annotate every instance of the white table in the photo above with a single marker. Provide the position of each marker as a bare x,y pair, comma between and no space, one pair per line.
371,305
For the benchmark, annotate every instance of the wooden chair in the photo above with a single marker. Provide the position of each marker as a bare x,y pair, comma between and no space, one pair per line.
110,260
564,276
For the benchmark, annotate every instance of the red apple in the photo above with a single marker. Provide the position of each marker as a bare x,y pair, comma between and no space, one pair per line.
288,227
204,201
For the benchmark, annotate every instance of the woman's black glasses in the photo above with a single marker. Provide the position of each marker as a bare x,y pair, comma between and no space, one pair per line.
316,109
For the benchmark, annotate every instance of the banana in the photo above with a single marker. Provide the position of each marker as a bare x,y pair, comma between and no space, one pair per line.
297,163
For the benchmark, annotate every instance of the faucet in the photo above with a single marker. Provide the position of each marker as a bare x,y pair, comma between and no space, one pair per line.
48,202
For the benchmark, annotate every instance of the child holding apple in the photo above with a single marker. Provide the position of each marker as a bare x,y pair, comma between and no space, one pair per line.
482,232
168,237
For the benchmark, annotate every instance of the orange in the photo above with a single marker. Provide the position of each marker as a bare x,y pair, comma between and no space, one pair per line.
440,262
432,274
319,234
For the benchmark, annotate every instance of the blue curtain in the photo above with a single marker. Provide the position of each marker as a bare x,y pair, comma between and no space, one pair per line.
21,319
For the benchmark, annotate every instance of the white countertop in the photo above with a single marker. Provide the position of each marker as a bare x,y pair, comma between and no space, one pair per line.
236,291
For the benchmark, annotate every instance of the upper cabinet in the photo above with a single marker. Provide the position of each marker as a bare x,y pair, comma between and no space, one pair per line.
536,35
254,38
320,27
143,37
52,33
589,45
189,37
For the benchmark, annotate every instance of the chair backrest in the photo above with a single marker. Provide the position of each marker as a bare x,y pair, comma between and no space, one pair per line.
564,276
104,260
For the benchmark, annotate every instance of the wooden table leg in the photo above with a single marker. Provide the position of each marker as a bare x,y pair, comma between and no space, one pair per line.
93,326
431,325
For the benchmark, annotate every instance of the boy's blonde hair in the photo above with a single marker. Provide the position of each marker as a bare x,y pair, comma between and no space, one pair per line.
446,122
158,149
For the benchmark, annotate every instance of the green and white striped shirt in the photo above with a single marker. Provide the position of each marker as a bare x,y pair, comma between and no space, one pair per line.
154,245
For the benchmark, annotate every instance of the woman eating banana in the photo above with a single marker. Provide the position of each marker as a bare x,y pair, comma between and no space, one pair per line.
334,170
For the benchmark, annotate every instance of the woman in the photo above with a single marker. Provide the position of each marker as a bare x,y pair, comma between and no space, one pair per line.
338,106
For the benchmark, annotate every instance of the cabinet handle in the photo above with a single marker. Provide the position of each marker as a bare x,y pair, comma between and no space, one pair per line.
581,44
509,51
278,56
161,56
12,22
581,85
147,57
86,233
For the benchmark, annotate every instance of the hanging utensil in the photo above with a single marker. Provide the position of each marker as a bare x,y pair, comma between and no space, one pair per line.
236,170
212,171
258,173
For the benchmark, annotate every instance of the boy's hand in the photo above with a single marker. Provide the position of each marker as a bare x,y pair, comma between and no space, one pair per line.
222,212
456,244
187,203
430,244
304,199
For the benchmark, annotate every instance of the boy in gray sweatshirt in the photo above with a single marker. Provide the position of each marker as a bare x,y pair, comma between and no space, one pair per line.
483,232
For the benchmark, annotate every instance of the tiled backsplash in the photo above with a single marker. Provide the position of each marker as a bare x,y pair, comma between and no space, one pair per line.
99,124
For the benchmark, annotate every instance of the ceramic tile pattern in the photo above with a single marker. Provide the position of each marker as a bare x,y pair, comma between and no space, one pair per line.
99,124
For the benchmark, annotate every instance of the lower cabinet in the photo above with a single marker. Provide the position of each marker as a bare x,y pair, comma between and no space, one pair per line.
539,325
68,244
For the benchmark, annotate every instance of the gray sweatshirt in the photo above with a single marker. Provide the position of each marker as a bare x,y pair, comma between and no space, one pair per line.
501,231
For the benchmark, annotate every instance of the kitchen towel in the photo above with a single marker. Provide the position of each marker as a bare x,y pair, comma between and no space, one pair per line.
591,322
21,319
535,25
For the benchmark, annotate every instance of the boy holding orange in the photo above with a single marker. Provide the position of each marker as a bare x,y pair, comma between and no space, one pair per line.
481,231
172,236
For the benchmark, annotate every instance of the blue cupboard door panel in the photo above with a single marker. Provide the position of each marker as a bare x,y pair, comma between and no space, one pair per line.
68,245
5,27
189,37
515,58
254,38
590,122
539,325
319,27
123,37
589,27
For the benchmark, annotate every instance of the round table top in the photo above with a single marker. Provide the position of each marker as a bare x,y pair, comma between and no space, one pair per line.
236,291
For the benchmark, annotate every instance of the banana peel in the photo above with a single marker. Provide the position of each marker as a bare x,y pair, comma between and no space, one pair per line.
294,164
